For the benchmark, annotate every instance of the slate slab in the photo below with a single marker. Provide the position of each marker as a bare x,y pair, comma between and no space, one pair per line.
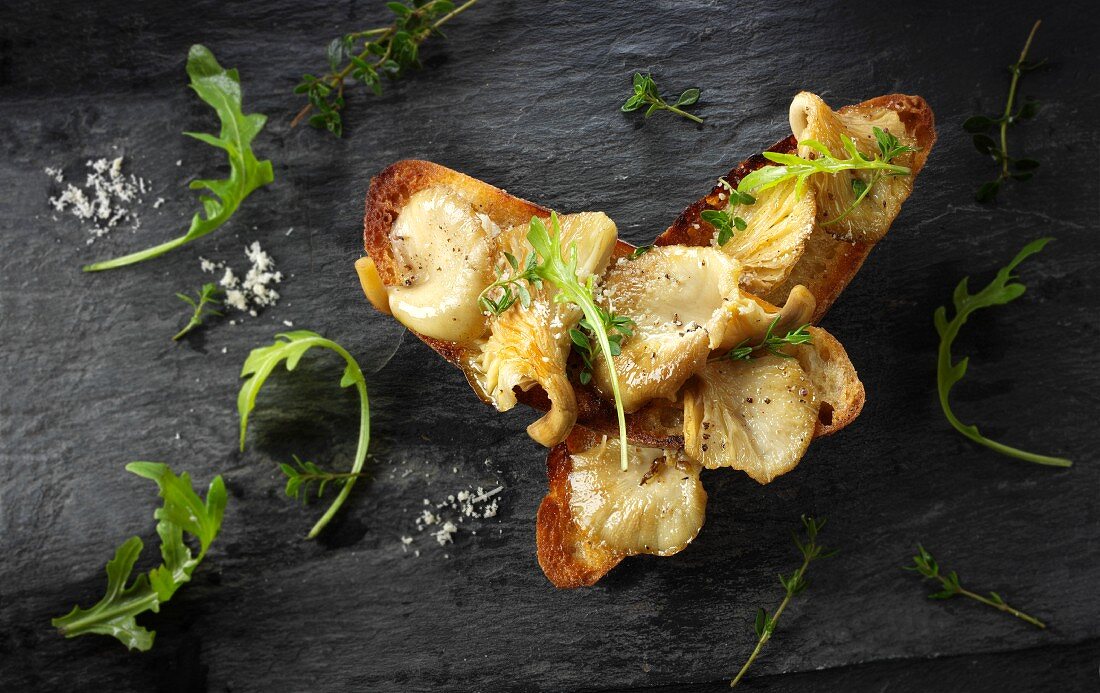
525,95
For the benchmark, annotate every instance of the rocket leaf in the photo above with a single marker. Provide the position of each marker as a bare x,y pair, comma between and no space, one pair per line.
183,511
221,89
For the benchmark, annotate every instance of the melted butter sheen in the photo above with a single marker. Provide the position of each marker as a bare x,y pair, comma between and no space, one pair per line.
442,246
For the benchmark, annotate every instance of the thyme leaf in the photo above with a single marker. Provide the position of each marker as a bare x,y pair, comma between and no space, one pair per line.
647,94
794,584
368,56
300,475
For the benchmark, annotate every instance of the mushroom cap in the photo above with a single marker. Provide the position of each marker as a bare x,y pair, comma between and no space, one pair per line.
769,247
811,118
681,299
757,415
656,506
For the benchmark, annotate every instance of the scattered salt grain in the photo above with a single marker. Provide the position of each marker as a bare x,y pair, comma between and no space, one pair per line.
288,323
256,290
441,520
158,203
106,200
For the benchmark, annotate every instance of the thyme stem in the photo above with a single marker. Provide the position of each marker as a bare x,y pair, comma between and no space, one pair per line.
1017,70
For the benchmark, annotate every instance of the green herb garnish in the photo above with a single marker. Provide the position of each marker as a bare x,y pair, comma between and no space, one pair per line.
999,291
639,251
221,89
207,296
385,52
289,347
771,343
794,584
183,511
924,564
792,166
546,264
645,92
724,221
300,475
617,328
980,125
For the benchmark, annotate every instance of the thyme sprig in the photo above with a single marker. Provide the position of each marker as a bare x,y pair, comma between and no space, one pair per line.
302,474
772,343
998,292
388,51
207,296
510,287
924,564
980,125
546,264
795,584
646,92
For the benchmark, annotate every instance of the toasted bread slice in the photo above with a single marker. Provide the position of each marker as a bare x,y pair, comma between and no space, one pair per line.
828,261
658,424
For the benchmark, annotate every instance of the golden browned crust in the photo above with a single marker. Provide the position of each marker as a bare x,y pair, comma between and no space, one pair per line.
836,384
828,263
567,557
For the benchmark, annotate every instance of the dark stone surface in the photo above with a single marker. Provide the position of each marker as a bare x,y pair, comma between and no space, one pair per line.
525,95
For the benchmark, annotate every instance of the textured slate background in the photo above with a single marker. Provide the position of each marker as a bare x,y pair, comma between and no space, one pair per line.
525,95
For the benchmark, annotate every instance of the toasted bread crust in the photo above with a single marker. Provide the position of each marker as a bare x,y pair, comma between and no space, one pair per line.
836,384
567,557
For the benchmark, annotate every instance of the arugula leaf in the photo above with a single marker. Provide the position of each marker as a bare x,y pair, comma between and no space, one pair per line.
260,364
221,89
563,275
799,168
183,511
1000,291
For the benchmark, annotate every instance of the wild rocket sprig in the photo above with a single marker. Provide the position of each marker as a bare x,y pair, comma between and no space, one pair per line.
979,125
207,296
290,347
924,564
221,90
800,169
1003,289
546,264
646,94
368,56
183,512
795,584
771,343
